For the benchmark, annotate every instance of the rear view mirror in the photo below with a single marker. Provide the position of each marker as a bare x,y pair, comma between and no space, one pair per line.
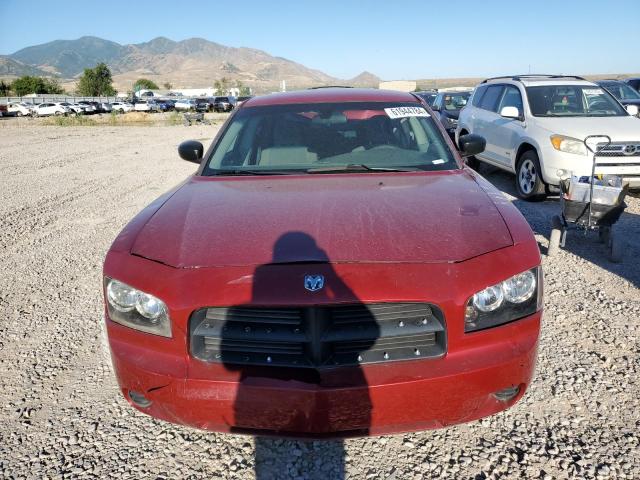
633,110
510,112
471,144
191,151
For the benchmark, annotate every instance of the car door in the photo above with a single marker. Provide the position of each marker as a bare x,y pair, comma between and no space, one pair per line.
506,132
484,124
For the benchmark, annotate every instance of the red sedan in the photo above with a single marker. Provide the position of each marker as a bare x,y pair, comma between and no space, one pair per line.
332,269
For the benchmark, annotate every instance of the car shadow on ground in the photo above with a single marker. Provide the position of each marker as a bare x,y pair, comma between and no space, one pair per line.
586,246
284,347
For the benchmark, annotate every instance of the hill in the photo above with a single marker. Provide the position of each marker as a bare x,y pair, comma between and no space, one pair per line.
188,63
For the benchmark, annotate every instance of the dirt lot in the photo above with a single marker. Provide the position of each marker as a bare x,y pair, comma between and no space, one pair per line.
65,192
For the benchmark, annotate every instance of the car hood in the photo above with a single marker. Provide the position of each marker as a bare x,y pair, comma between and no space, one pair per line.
620,129
369,218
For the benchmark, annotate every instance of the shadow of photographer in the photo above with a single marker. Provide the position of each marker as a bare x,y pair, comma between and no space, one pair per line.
286,356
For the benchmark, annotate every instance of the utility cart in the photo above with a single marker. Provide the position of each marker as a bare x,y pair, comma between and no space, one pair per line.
593,203
194,119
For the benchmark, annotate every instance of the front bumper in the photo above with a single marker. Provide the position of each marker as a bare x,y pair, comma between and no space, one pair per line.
370,400
553,162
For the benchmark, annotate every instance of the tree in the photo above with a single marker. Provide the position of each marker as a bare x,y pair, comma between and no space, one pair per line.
27,85
144,84
4,88
222,86
96,82
167,85
243,90
51,85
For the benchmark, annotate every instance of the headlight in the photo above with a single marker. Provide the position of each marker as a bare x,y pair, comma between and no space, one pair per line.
514,298
136,309
568,144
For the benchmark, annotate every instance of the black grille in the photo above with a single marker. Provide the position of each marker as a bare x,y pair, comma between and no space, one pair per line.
617,149
316,337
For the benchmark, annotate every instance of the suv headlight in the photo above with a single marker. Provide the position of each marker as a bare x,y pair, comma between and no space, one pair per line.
514,298
568,144
136,309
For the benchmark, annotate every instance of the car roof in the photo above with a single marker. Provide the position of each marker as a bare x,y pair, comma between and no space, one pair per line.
540,80
330,95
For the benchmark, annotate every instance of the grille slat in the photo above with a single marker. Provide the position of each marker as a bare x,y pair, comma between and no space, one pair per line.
316,337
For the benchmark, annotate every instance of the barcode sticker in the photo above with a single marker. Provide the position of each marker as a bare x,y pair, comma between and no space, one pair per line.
404,112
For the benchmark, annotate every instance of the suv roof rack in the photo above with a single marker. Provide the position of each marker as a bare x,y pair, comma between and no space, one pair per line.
519,78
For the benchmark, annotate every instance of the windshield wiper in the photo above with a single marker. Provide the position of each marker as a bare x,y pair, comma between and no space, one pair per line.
231,172
357,167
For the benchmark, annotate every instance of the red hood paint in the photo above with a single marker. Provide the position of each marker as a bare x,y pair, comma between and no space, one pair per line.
373,217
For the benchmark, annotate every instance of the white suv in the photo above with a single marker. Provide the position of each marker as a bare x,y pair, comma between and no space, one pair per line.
535,126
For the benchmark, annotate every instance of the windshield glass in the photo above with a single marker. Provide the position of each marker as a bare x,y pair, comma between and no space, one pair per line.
317,138
456,101
573,101
622,91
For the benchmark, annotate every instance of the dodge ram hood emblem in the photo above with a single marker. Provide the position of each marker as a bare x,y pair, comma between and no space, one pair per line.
313,283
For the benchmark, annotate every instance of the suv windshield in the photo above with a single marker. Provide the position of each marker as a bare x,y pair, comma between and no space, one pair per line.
329,137
573,101
621,91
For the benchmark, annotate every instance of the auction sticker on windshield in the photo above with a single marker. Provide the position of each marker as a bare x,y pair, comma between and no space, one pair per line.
404,112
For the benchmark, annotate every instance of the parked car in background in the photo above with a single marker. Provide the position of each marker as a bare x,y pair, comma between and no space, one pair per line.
242,99
201,105
535,126
106,107
74,107
146,106
20,108
50,108
121,107
185,104
634,83
165,105
625,94
223,104
428,96
89,107
332,269
4,110
447,106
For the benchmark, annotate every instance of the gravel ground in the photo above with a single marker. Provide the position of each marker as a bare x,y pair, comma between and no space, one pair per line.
64,195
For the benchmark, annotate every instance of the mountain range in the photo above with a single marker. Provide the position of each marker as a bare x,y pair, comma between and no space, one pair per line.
194,63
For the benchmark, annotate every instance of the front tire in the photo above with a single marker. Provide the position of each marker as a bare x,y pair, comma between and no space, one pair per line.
529,184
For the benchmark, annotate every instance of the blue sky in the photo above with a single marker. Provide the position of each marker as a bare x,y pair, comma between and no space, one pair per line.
392,39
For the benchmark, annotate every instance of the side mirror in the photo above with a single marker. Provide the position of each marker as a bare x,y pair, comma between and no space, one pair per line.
633,110
435,108
191,151
471,144
510,112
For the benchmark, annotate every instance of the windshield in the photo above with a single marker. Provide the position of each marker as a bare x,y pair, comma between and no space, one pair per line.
323,138
456,101
622,91
573,101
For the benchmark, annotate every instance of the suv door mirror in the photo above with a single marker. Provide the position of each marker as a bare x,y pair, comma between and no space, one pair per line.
510,112
191,151
435,107
471,144
632,109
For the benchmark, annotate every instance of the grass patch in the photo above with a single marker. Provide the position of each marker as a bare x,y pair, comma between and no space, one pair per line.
174,118
72,121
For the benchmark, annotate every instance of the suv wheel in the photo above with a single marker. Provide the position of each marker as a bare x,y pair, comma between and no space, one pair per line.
529,182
